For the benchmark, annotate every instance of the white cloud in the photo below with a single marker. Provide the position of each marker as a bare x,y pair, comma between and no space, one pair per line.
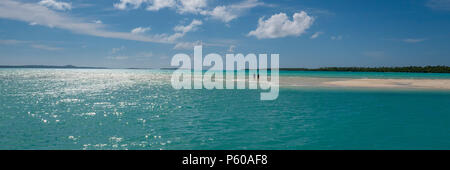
160,4
225,13
41,15
183,45
180,30
186,45
56,5
45,47
336,37
230,12
124,4
191,27
182,6
439,4
222,13
98,22
315,35
191,6
279,25
140,30
412,40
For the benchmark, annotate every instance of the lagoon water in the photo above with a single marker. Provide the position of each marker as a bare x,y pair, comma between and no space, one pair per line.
139,109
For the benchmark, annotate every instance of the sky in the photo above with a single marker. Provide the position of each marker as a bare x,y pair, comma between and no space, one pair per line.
147,33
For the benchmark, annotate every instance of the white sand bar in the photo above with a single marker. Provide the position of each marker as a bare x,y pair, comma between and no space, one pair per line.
443,84
393,83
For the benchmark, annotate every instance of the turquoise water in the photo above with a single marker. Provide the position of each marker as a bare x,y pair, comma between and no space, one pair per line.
138,109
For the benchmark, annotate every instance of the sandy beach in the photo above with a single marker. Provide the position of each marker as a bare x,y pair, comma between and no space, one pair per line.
394,83
443,84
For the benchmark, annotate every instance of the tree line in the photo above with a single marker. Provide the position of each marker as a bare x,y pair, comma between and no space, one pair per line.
408,69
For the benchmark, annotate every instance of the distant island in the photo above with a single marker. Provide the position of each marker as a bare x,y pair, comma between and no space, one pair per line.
49,66
408,69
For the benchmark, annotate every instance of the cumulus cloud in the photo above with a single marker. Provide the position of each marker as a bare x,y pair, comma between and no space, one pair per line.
41,15
140,30
56,5
279,25
315,35
125,4
160,4
182,6
191,6
225,13
222,13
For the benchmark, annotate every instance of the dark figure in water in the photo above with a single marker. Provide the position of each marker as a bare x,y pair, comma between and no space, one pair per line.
258,76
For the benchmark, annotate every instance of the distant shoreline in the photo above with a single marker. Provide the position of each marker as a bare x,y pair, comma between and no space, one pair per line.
409,69
49,66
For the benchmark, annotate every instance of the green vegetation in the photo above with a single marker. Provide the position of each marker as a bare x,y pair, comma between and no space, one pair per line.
410,69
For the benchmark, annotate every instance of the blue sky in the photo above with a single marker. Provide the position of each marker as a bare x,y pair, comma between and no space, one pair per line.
147,33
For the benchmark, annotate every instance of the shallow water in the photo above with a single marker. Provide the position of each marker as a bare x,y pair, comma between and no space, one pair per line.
139,109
